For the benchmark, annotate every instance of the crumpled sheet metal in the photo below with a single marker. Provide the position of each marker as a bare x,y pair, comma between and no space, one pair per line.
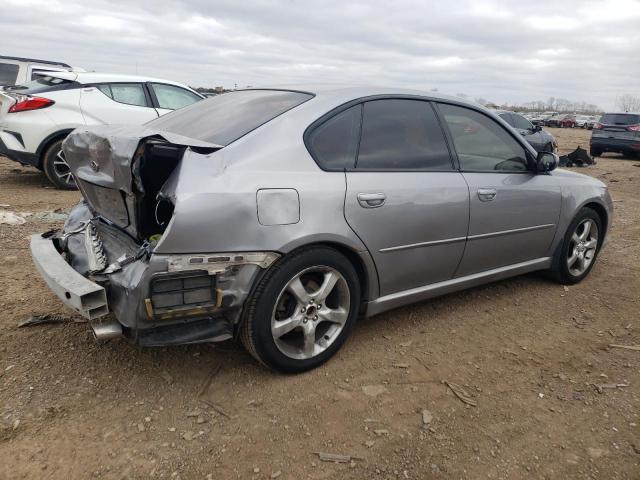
103,154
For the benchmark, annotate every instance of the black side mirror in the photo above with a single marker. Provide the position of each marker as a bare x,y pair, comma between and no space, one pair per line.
537,128
546,162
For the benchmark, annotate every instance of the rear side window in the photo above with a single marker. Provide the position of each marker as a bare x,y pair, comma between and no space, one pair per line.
8,73
620,119
226,117
401,135
172,97
44,83
481,143
334,143
128,93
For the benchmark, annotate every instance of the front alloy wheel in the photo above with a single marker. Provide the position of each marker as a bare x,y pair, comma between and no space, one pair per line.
583,247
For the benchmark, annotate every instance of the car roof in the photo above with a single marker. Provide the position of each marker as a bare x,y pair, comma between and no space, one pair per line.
353,92
96,77
34,60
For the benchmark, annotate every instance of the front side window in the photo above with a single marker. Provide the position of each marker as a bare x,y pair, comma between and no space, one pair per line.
8,74
129,93
172,97
481,143
334,143
399,134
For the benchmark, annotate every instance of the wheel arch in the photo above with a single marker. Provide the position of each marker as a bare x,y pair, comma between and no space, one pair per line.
602,213
48,141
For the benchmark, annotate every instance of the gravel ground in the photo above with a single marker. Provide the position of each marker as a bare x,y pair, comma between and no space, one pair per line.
531,355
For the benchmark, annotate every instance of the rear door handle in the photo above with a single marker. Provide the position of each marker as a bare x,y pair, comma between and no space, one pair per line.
371,200
487,194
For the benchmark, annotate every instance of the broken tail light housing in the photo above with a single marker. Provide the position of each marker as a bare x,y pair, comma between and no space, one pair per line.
31,103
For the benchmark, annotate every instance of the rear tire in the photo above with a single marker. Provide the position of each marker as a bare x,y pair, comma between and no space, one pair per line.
595,152
580,247
56,169
302,310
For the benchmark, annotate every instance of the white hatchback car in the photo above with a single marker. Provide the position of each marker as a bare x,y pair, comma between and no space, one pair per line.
36,117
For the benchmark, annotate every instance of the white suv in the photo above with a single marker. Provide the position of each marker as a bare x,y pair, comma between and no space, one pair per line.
36,117
17,70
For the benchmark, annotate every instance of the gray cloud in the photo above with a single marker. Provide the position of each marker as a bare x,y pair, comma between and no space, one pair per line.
499,50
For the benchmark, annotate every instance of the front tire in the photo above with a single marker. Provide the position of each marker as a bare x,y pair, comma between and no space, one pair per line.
302,311
580,248
56,169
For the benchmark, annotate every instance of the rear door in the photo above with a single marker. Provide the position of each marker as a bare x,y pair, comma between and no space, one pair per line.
404,198
167,98
513,211
116,103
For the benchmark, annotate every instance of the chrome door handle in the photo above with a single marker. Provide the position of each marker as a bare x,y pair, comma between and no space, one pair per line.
487,194
371,200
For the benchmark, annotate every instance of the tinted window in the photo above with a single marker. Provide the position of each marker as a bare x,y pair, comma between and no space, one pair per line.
8,73
402,135
129,93
520,122
334,143
507,118
481,143
43,83
620,119
227,117
172,97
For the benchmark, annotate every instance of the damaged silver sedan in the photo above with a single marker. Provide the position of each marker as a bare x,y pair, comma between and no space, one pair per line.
279,216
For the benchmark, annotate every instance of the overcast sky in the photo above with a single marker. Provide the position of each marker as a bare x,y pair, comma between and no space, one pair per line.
503,51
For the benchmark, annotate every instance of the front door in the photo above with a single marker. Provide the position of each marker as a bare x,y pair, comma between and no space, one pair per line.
513,211
404,199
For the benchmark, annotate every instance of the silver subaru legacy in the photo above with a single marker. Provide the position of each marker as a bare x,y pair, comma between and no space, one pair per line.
280,216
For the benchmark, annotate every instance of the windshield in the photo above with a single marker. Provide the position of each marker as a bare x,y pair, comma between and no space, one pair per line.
620,119
226,117
41,84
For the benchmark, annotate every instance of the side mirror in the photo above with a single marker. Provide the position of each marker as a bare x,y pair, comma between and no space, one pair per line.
537,128
546,162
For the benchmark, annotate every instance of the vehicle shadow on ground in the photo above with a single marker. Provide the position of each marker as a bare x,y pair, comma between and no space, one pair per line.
20,176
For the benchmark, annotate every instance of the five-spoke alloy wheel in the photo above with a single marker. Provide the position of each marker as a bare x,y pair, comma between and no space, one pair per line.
302,310
56,168
579,249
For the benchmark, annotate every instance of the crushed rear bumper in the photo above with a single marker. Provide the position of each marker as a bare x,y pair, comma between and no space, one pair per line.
77,292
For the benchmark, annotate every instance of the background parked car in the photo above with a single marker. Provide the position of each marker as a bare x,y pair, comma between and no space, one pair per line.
592,121
539,139
17,70
36,117
616,132
581,121
561,121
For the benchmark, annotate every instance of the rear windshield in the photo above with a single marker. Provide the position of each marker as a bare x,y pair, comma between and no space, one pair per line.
226,117
43,83
620,119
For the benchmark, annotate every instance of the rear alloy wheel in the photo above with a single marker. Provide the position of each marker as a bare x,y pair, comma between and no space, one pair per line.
302,310
580,247
56,168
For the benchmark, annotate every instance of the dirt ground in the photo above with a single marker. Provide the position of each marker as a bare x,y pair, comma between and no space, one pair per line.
533,356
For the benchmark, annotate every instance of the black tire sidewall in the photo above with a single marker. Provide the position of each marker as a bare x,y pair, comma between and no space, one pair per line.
262,338
561,266
48,167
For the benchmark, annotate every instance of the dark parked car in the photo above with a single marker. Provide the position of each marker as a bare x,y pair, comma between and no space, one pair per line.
616,132
539,139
